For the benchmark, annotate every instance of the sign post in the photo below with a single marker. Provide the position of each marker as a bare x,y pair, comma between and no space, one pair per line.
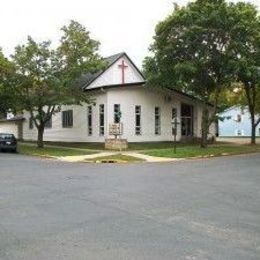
116,129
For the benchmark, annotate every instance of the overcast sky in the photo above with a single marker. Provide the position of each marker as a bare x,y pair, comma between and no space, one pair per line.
119,25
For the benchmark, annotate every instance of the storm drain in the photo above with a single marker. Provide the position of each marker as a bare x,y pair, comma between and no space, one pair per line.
105,161
108,161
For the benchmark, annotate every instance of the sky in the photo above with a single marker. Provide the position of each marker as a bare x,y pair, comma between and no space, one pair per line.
119,25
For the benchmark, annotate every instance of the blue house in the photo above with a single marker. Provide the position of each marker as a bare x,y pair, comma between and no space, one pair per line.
236,123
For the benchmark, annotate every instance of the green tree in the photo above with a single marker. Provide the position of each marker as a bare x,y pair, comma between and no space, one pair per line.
191,53
48,78
245,53
6,75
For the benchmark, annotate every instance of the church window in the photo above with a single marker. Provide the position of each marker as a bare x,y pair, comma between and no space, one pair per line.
30,123
89,120
238,118
101,119
138,120
157,117
238,132
67,118
174,117
48,123
117,113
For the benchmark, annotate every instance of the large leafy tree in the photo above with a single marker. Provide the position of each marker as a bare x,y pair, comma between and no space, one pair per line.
6,75
245,53
190,53
47,78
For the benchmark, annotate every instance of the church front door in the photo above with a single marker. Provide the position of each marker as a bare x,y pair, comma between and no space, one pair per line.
186,120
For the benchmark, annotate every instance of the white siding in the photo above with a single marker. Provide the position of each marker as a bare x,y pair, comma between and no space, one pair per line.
149,99
128,98
77,133
113,75
9,127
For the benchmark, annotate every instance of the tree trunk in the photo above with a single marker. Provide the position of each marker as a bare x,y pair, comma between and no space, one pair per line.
40,143
253,125
253,128
251,100
204,128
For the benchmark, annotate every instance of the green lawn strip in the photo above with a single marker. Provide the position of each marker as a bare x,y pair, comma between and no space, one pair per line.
115,158
50,151
160,149
64,145
90,146
101,146
196,151
152,146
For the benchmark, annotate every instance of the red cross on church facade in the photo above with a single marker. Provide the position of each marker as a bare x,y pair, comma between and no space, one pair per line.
122,66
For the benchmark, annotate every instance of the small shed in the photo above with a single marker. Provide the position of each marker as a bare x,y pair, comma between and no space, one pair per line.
13,125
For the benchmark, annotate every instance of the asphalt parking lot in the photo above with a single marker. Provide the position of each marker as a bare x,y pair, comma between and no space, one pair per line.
197,209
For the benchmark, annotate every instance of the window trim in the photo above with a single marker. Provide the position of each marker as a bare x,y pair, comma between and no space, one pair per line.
67,122
101,118
90,120
115,115
157,120
138,128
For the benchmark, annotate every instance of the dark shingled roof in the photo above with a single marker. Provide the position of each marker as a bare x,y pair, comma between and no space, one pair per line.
113,58
15,118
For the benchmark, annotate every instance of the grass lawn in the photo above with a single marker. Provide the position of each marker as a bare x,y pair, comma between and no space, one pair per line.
31,149
159,149
116,158
90,146
196,151
152,145
101,146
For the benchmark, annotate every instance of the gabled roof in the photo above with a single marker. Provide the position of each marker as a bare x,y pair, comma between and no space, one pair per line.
188,95
15,118
235,107
87,79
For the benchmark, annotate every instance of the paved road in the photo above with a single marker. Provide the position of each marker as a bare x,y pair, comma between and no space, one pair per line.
203,209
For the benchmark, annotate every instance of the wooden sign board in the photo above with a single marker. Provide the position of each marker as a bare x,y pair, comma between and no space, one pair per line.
116,129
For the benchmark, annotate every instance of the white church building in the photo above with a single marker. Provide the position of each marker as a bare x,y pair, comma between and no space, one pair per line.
121,96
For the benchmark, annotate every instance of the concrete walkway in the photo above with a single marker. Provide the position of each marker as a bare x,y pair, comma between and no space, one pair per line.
80,158
147,158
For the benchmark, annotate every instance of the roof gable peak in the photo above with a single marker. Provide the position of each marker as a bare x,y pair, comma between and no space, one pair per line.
94,80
